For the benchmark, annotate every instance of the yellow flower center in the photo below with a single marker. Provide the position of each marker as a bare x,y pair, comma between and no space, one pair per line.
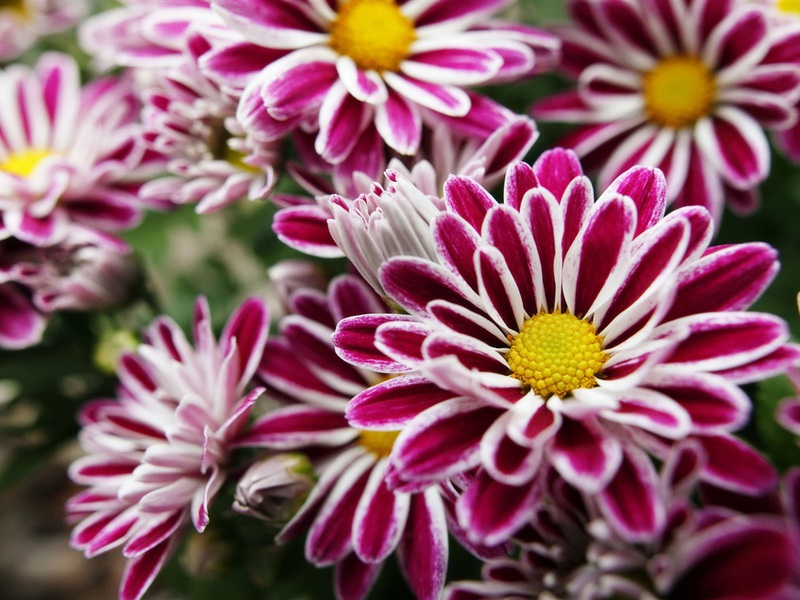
678,91
378,442
556,353
374,33
789,6
23,163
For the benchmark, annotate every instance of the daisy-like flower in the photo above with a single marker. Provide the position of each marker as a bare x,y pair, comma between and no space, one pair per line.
157,455
570,551
23,22
564,331
302,223
69,157
686,86
339,66
354,521
192,123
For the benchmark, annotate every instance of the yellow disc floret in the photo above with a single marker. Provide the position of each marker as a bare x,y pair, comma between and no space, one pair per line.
788,6
17,6
23,163
378,442
374,33
678,91
556,353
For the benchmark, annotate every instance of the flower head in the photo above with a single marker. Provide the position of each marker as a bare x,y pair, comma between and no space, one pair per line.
23,22
338,67
191,122
354,521
157,455
688,87
68,155
563,331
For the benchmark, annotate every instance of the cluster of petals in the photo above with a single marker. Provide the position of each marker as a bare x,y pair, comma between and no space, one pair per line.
191,122
353,520
69,157
569,550
666,312
338,68
83,272
23,22
157,454
687,86
482,151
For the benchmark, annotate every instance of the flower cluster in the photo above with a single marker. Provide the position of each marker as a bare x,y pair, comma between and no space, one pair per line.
556,373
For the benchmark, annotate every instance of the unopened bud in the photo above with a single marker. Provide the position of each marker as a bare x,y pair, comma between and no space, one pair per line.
275,487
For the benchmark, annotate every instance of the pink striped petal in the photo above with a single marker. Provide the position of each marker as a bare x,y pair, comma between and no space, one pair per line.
399,123
305,228
443,440
585,455
353,578
392,404
491,511
733,465
21,325
140,571
445,99
423,550
342,118
279,22
294,427
453,65
354,340
468,199
379,519
631,501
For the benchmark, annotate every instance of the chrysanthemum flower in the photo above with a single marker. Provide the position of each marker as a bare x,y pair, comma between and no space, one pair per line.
570,551
157,454
339,66
23,22
563,331
144,33
302,223
191,122
68,156
354,521
686,86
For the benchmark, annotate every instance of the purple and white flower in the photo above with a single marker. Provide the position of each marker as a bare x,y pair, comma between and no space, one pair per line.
566,331
69,158
338,67
211,161
158,453
483,154
353,520
569,550
687,86
23,22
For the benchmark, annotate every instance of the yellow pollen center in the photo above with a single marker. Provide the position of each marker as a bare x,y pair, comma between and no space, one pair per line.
678,91
556,353
378,442
374,33
791,7
23,163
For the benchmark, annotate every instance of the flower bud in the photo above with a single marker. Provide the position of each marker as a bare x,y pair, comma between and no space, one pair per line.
275,487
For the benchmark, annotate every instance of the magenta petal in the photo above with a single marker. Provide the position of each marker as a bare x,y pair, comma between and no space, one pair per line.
154,532
380,518
585,455
342,118
491,512
734,559
467,198
354,578
733,465
631,502
305,228
354,340
236,64
424,548
393,403
647,187
519,179
141,571
249,327
21,325
728,278
298,426
399,123
555,169
443,440
299,88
